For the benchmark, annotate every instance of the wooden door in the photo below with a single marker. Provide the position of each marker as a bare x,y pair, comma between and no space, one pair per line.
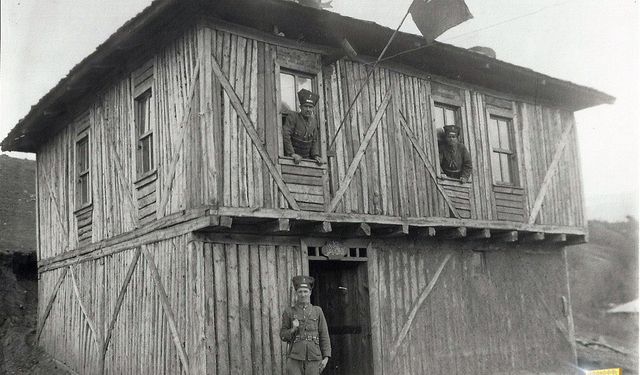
341,289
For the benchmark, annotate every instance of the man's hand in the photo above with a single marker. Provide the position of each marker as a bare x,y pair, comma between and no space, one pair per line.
296,158
323,364
295,324
318,160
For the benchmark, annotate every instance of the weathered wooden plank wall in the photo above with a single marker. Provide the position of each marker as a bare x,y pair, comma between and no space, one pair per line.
490,312
542,128
204,155
391,179
142,336
250,290
219,299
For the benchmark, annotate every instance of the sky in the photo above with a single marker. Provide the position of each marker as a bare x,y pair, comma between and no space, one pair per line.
590,42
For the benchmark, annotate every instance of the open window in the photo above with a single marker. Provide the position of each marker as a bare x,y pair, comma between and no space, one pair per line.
307,181
291,82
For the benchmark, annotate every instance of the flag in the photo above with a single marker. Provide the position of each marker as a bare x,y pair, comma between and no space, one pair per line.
434,17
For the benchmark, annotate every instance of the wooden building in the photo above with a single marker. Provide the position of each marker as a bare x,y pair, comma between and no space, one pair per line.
170,222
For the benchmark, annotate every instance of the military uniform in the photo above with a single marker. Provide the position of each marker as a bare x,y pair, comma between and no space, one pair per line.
300,135
309,343
455,160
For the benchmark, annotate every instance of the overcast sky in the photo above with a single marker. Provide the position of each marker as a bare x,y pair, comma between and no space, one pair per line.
589,42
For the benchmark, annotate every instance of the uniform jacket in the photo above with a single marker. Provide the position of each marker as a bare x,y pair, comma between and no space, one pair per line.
300,136
310,342
455,162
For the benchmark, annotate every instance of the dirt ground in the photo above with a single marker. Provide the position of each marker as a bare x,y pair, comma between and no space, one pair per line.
18,316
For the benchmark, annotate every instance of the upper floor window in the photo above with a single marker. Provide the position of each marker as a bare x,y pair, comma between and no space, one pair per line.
503,165
290,83
144,132
83,175
445,114
301,134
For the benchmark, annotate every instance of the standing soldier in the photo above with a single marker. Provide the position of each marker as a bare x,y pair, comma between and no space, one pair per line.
300,135
305,329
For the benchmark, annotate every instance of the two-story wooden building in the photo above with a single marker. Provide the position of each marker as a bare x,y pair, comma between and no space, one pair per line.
170,222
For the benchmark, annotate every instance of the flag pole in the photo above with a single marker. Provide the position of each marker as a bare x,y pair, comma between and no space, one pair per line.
366,80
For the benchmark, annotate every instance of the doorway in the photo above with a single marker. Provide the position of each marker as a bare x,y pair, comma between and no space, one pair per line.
342,290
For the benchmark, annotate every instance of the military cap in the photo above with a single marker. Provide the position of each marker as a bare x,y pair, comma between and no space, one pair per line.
307,97
451,129
301,281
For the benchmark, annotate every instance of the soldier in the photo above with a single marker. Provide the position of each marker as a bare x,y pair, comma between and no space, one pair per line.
300,135
455,160
305,329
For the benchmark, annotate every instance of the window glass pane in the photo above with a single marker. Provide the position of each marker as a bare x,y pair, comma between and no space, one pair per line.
85,188
146,150
83,154
303,83
439,117
287,93
449,116
495,167
505,167
494,139
504,134
143,112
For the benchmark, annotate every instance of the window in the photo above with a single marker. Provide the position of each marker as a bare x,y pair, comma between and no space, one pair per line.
83,176
144,131
445,114
502,155
290,83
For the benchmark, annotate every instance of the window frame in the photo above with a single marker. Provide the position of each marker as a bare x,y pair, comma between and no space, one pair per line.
458,105
514,166
298,70
144,92
83,134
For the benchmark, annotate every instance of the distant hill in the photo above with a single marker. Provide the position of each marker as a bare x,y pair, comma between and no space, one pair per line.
604,273
17,205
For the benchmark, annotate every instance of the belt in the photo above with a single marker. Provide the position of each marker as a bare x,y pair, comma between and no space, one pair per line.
307,338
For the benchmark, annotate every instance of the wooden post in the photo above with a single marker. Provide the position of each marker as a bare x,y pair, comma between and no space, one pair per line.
454,233
423,231
509,236
275,226
479,234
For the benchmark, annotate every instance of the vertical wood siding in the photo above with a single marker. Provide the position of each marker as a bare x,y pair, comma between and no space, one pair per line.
499,314
251,288
204,155
224,299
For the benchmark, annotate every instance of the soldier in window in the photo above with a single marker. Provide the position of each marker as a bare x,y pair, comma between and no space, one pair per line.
300,135
455,160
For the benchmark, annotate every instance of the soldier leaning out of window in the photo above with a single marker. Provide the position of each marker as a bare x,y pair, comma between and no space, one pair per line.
300,135
455,160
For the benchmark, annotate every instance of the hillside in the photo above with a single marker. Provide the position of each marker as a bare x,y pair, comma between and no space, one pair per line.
604,273
17,205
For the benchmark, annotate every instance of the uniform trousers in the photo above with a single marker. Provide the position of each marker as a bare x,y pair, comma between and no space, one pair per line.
296,367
